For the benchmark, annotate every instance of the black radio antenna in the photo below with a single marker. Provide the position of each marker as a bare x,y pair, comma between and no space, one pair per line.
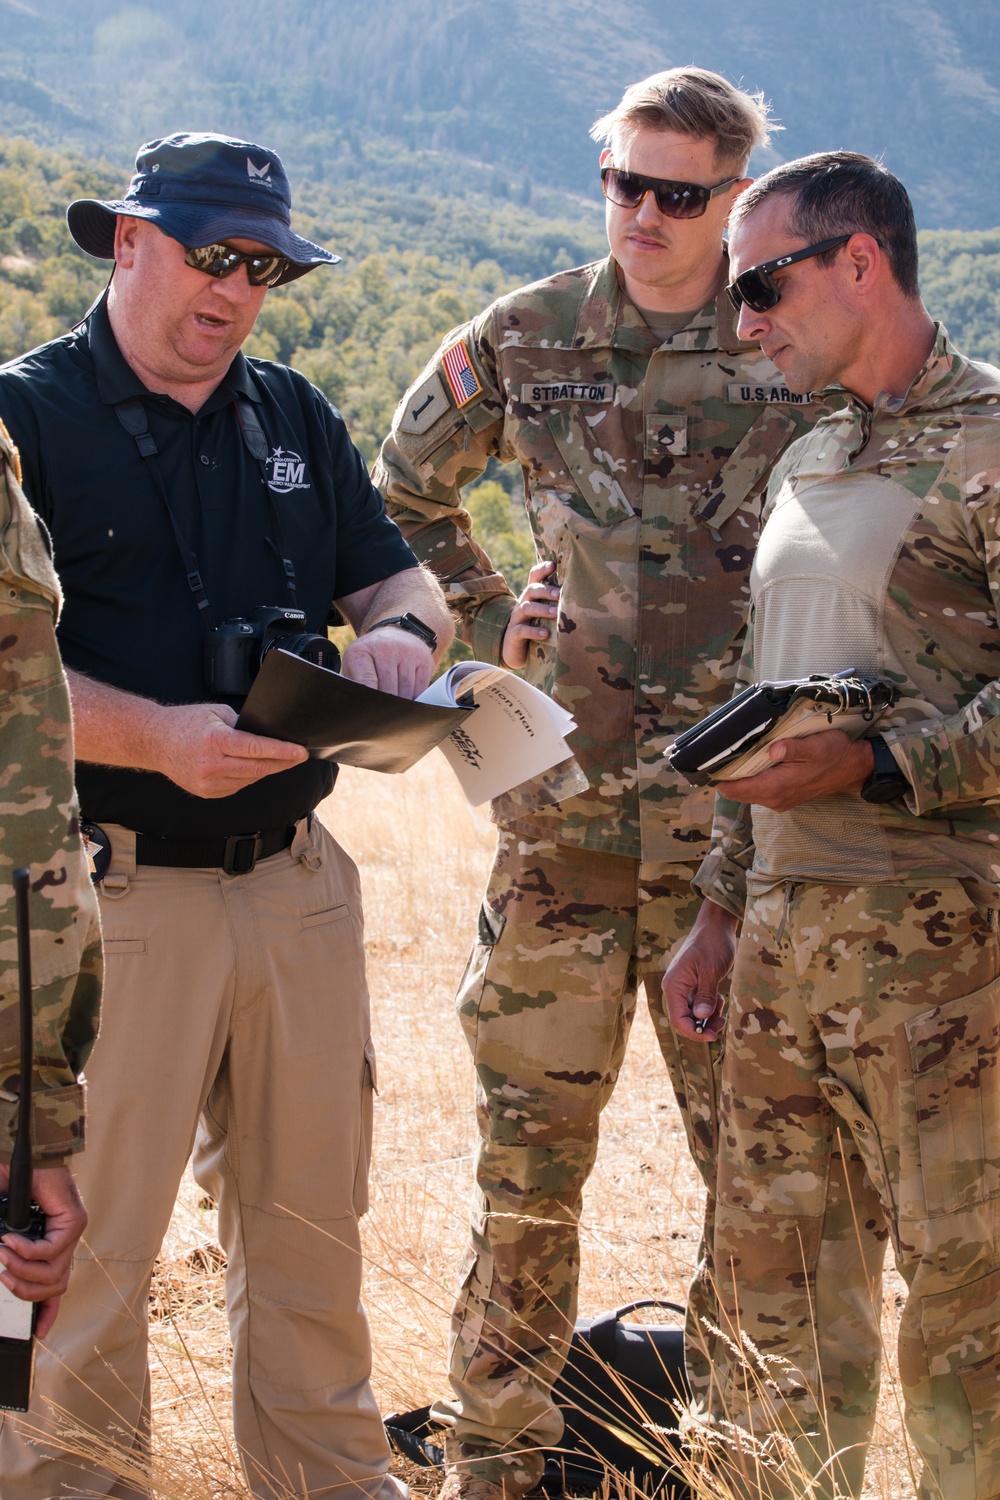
19,1185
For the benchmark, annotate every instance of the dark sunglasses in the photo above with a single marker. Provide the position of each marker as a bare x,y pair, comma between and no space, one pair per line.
755,287
220,261
678,200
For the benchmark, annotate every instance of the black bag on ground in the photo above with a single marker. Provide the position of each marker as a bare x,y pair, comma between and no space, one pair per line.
616,1393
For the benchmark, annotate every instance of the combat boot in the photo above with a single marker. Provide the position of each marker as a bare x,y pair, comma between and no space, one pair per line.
461,1486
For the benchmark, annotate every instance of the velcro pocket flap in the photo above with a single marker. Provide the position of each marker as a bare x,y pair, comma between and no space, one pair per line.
745,467
590,469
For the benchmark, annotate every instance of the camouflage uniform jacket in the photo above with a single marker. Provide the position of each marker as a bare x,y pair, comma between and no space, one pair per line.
644,463
881,550
39,829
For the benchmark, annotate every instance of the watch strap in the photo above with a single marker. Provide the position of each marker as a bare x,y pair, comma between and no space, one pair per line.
411,623
886,782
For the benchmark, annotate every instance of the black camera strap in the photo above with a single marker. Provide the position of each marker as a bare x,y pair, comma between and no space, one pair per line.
253,436
132,414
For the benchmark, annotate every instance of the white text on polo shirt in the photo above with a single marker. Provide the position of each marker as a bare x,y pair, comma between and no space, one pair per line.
286,471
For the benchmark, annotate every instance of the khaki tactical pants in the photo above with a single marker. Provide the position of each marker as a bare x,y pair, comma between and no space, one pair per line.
872,1012
236,1007
546,1003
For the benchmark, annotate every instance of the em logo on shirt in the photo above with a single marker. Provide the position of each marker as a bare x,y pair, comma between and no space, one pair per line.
286,471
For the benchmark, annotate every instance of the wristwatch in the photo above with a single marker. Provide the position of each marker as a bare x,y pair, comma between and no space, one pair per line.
412,624
886,782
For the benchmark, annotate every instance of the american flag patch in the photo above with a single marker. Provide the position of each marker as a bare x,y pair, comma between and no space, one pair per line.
462,377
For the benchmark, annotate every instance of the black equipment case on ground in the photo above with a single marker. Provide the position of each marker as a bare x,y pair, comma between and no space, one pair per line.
617,1394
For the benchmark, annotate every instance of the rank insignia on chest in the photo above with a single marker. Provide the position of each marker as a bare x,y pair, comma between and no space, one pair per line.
549,392
465,383
666,432
760,394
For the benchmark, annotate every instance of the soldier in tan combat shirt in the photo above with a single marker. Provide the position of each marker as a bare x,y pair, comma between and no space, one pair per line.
645,430
860,1100
40,831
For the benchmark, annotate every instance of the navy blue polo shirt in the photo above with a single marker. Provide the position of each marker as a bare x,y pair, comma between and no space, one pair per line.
129,617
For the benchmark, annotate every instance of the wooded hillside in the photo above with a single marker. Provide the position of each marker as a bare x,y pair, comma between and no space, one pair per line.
501,96
414,266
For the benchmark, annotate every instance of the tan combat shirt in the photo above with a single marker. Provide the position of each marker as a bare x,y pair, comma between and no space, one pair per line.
644,463
881,551
40,830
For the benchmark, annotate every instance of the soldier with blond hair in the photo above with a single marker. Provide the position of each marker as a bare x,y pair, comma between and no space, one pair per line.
644,428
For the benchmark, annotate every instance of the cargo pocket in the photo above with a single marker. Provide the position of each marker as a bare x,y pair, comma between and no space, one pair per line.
369,1088
328,914
469,1315
953,1151
961,1331
470,989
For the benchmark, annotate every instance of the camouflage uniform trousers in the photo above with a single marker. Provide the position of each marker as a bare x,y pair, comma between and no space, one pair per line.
546,1003
867,1015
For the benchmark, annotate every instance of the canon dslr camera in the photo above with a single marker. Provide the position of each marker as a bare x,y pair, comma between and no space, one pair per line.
235,649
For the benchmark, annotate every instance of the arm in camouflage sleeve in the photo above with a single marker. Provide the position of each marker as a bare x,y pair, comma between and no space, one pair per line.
439,442
40,831
956,759
722,874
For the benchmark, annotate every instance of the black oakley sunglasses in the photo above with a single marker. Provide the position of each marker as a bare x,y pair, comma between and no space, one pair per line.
755,287
677,200
220,261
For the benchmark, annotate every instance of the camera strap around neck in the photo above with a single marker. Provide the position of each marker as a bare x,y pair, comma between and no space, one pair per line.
132,414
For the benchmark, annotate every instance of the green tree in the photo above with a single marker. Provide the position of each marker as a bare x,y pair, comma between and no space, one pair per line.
500,526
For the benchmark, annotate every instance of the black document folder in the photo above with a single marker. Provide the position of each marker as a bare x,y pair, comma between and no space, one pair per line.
337,719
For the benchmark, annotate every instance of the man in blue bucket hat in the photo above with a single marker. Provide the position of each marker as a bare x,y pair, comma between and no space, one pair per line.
203,189
186,486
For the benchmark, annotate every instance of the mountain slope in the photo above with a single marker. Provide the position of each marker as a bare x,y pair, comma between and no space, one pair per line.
505,93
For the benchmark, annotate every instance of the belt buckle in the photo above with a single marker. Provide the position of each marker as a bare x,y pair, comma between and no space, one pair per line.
241,853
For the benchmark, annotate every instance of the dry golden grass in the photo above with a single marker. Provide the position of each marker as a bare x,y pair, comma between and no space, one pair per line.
424,860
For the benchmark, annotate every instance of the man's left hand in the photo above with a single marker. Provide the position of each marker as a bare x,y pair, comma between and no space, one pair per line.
38,1270
393,660
802,770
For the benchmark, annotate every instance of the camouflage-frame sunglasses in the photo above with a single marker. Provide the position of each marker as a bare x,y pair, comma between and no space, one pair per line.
264,267
677,200
755,287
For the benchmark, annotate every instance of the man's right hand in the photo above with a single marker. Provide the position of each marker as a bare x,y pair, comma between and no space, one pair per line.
696,970
194,744
199,749
539,601
39,1270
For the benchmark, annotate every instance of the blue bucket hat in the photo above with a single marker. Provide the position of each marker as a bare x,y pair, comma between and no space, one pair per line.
200,189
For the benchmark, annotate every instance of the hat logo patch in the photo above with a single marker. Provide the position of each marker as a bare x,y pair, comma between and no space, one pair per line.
259,174
286,471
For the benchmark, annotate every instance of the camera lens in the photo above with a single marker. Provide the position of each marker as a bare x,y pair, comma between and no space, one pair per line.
314,648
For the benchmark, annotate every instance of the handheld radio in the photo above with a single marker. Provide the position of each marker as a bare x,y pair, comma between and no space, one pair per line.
17,1212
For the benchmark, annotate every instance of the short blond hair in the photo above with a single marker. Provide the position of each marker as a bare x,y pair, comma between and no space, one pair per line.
697,103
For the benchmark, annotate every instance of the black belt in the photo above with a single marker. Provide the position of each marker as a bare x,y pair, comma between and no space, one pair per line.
237,854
